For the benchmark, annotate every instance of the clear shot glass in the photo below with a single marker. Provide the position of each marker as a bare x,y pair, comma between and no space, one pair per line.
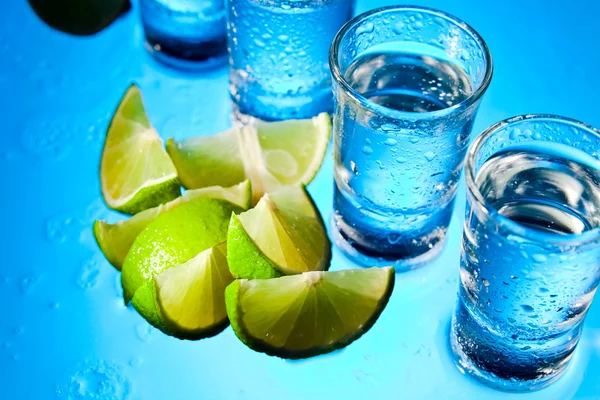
186,34
278,56
530,260
407,83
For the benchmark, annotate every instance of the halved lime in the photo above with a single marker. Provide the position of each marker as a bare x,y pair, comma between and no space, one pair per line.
191,296
136,173
308,314
173,238
116,239
270,154
284,234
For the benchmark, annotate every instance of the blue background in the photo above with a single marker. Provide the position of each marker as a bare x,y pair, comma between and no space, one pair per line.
64,332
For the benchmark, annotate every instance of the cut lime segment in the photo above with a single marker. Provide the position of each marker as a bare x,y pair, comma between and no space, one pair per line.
308,314
270,155
136,173
115,240
284,234
293,150
173,238
208,160
191,296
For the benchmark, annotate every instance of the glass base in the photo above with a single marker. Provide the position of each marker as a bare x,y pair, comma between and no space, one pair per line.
468,366
188,56
353,253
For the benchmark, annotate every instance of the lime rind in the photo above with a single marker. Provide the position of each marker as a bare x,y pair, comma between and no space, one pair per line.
191,296
244,258
288,311
144,302
284,234
136,173
116,239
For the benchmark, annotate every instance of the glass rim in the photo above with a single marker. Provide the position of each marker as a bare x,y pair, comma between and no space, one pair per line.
590,236
339,77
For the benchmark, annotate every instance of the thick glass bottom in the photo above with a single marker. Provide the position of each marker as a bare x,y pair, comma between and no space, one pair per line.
186,55
494,365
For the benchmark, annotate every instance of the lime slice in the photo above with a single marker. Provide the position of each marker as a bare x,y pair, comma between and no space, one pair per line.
116,239
173,238
136,173
308,314
284,234
293,150
208,160
270,155
191,296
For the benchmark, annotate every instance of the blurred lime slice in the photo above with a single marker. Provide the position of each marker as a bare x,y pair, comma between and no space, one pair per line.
136,173
191,296
284,234
308,314
269,154
116,239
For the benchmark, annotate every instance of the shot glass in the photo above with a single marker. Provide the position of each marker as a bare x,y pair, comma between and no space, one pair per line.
186,34
407,83
278,56
530,260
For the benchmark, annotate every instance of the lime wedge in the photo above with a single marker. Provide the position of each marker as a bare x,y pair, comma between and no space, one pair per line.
173,238
270,155
191,296
284,234
116,239
136,173
308,314
293,150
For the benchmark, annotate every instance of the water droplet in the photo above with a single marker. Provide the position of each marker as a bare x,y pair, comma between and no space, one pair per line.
29,283
99,381
90,271
430,155
18,330
513,277
367,141
414,139
367,150
365,28
401,160
399,27
486,283
143,332
539,258
259,43
283,38
54,305
527,308
543,290
135,362
391,142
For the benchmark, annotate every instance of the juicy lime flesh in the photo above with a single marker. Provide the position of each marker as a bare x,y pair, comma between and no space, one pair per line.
208,160
136,172
294,150
308,314
173,238
115,240
271,155
287,228
191,296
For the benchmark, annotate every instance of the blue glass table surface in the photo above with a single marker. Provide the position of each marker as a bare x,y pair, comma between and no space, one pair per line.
64,331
